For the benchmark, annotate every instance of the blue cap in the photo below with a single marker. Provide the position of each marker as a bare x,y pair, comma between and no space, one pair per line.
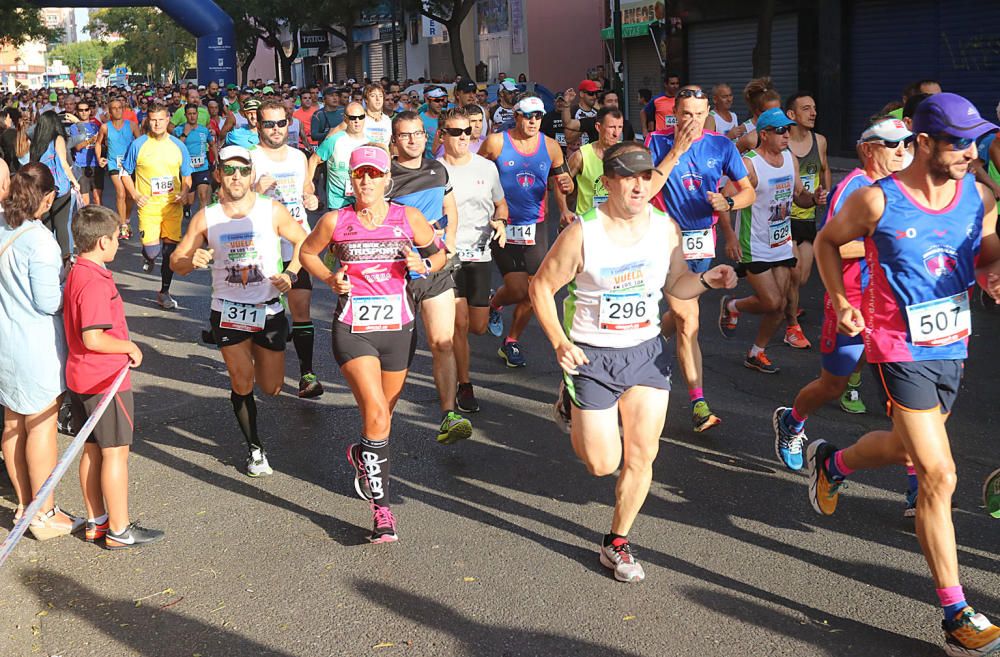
773,118
952,115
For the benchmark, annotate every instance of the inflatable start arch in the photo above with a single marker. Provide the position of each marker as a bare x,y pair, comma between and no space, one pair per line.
203,18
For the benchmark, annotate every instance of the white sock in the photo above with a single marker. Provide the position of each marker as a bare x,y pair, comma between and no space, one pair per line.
731,306
99,520
754,350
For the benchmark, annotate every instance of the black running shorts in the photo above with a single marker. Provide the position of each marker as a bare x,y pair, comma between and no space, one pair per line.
273,337
516,258
472,282
919,385
394,349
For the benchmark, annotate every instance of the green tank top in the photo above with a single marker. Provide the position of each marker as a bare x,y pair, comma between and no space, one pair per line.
809,167
591,191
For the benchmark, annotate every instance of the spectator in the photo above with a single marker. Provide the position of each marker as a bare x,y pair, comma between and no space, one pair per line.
48,147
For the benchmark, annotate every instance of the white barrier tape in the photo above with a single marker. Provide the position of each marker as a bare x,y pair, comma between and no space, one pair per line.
57,473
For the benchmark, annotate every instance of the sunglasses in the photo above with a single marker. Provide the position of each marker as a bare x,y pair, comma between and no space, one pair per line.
355,117
371,172
691,93
956,143
779,130
532,116
892,145
437,100
588,93
228,170
458,132
281,123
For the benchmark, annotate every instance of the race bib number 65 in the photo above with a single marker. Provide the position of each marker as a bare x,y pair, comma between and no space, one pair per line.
698,244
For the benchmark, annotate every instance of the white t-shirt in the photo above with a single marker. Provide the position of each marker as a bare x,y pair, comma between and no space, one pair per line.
477,187
379,131
289,175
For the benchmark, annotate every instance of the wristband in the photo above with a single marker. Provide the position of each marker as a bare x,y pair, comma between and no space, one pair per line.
428,265
730,201
706,285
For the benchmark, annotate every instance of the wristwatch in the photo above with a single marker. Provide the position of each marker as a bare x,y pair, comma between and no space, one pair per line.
704,283
730,201
292,276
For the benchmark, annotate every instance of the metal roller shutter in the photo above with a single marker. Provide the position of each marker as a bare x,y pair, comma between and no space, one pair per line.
723,52
955,41
643,72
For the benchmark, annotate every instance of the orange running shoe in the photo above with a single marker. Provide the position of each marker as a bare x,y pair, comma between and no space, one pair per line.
795,338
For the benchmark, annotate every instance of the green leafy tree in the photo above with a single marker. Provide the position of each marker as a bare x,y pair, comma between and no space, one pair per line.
86,56
21,21
152,43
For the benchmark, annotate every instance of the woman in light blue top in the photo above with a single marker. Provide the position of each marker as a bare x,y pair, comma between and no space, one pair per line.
32,361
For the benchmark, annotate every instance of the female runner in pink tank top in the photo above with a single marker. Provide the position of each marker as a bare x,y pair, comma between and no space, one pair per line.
378,244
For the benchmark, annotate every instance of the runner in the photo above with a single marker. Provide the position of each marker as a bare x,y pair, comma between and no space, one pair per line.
238,238
83,139
722,118
374,340
465,95
810,149
437,101
587,106
695,162
658,114
377,128
335,153
162,170
765,250
587,164
880,150
760,96
304,114
608,346
588,125
926,229
245,134
423,184
280,174
479,201
526,159
199,142
502,117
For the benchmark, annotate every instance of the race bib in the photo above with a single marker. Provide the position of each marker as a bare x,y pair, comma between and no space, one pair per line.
197,161
625,311
940,322
698,244
474,254
161,185
779,232
376,313
523,235
248,317
807,181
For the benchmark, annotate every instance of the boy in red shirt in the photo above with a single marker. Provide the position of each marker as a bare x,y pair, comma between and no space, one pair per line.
99,346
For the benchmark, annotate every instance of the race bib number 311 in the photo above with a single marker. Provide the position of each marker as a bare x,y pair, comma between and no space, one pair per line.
940,322
248,317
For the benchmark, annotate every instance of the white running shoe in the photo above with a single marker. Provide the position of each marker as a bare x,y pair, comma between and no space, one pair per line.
257,464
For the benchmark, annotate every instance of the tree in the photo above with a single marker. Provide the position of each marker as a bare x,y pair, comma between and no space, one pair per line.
762,50
153,45
451,14
21,21
85,56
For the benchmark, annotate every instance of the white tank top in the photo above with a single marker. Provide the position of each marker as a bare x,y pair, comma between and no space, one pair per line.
614,301
722,126
765,228
246,256
289,175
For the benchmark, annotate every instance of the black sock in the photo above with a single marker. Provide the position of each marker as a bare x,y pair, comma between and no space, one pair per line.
166,273
610,538
375,457
245,408
303,336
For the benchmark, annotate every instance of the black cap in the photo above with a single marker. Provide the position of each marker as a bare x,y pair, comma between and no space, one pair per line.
632,163
465,86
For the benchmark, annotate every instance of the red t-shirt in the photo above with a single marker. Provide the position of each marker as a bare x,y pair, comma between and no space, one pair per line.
305,118
91,301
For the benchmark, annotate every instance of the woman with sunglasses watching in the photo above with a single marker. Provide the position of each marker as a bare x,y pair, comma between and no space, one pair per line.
30,301
378,243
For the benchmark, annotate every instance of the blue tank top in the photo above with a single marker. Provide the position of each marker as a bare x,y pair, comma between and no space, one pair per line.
50,160
118,143
922,264
524,177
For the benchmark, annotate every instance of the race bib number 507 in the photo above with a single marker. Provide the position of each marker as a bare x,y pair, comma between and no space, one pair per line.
939,322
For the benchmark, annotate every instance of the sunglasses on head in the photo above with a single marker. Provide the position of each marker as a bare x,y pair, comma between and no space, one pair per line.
780,130
371,172
892,145
691,93
458,132
354,117
229,169
280,123
956,143
532,116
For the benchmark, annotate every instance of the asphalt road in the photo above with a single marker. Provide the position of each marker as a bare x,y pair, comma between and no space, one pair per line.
497,555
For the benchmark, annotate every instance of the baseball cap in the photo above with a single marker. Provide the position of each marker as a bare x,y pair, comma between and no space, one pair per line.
508,85
267,90
269,82
53,97
952,115
589,86
530,104
437,92
887,130
330,90
370,156
234,153
466,86
201,87
773,118
628,164
230,86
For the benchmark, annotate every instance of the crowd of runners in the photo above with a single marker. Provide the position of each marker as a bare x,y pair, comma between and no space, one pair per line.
404,204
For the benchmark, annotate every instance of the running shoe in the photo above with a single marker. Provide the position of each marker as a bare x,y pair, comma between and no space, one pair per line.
94,532
620,558
495,325
969,634
133,536
147,265
991,493
561,414
761,363
465,399
453,428
361,485
850,401
795,338
728,319
703,417
911,504
510,352
309,386
823,491
166,301
787,445
383,525
257,465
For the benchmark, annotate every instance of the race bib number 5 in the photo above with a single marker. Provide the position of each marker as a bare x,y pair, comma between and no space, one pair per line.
248,317
376,313
698,244
161,185
939,322
523,235
625,311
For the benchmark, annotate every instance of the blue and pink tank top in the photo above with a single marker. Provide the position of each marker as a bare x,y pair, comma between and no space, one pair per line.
922,264
854,270
376,266
524,177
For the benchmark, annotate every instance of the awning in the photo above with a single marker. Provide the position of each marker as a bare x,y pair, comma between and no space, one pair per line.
629,30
